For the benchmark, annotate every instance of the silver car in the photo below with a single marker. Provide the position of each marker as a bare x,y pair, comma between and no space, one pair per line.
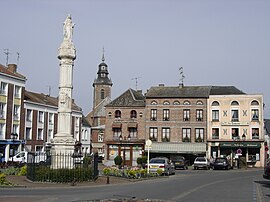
163,164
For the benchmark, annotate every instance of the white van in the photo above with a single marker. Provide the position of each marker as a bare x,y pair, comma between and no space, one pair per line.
22,157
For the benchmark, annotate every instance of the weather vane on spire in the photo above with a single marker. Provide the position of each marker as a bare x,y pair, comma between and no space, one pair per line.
68,29
103,57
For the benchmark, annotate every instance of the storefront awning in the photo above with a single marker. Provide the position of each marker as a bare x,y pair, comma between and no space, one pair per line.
132,125
116,125
241,144
180,148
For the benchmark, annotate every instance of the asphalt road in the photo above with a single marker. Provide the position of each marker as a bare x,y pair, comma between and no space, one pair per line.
186,185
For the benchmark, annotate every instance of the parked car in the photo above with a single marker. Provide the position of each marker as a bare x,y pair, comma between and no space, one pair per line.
266,173
24,157
221,163
163,164
180,162
201,162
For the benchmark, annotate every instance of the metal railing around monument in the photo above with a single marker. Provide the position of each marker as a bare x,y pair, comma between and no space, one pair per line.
59,168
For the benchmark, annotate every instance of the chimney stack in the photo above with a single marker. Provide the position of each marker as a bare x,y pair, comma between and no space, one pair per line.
12,68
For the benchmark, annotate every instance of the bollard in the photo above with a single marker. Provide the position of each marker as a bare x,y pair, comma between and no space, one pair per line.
108,180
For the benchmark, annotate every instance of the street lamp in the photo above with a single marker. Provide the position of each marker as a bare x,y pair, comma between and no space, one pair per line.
13,136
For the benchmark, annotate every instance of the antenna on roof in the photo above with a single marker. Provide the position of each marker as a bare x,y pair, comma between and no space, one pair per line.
18,58
136,80
6,51
181,71
49,88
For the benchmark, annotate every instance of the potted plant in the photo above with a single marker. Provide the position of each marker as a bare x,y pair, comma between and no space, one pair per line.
118,161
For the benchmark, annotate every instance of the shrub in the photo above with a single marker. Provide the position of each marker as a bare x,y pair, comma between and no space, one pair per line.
106,171
144,159
11,171
139,160
23,171
118,160
132,174
159,171
3,180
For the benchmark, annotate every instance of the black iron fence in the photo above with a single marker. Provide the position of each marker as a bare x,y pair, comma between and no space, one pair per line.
48,167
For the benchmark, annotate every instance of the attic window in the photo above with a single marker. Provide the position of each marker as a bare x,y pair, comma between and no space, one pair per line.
176,102
234,103
133,114
215,103
199,102
154,102
166,103
186,102
254,102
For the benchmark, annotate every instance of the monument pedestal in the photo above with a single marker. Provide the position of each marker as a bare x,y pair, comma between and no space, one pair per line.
62,152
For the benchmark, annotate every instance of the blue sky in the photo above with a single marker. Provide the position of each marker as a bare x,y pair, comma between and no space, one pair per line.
218,42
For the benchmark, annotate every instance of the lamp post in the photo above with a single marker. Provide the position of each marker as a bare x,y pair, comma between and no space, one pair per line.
13,136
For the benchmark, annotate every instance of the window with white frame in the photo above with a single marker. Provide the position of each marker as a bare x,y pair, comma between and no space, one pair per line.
28,133
16,112
2,131
29,115
235,115
186,114
255,114
165,134
166,114
40,134
199,132
153,115
51,118
17,92
132,132
15,128
153,134
215,115
2,110
186,134
39,148
50,135
117,132
3,88
40,116
199,114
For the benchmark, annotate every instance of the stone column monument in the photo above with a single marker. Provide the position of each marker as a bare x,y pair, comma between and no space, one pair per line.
63,142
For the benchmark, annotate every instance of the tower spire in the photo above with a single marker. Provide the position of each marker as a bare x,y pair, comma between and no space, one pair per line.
103,57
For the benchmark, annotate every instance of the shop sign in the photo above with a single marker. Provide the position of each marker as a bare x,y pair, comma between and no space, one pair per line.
240,144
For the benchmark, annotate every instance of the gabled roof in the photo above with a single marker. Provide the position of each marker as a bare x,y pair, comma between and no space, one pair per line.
5,70
191,91
129,98
43,99
85,122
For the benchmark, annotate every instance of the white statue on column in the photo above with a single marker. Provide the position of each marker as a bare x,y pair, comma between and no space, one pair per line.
68,29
